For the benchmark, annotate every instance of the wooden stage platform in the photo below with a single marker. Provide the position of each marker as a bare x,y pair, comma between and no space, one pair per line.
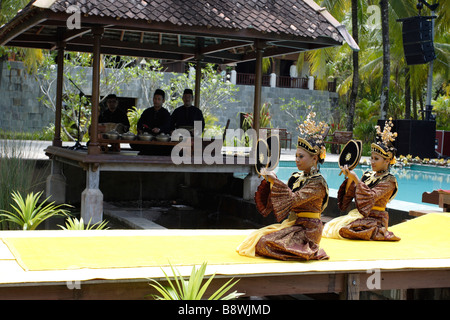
116,264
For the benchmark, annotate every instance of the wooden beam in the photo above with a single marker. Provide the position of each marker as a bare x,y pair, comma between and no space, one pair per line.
22,26
39,30
72,34
224,45
33,45
135,46
126,52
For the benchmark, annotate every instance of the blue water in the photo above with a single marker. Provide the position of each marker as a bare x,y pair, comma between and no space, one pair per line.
412,182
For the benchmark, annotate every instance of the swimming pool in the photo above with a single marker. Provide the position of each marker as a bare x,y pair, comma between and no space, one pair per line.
412,182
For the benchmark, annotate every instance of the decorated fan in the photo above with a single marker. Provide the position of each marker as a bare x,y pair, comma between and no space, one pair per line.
262,156
273,143
350,154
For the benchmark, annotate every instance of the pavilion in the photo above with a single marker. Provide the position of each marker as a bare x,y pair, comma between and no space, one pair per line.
200,31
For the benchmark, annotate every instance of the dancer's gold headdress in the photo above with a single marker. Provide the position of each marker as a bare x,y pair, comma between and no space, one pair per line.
384,146
312,136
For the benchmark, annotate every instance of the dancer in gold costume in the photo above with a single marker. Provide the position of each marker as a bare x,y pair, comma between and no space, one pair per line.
369,221
298,204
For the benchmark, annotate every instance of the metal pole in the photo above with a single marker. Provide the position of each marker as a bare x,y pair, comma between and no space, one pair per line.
428,106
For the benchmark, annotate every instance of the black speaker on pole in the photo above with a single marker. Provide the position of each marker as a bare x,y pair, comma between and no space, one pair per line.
414,137
418,40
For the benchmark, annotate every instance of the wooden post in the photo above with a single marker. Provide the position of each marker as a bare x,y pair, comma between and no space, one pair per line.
199,42
94,147
351,287
57,142
259,46
198,80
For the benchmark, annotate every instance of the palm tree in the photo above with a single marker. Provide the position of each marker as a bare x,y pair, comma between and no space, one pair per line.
416,75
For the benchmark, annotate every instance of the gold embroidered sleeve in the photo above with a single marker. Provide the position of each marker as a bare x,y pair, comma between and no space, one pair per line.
308,198
379,195
344,196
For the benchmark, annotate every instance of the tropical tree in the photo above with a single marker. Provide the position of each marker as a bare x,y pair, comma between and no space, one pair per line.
115,71
405,84
214,92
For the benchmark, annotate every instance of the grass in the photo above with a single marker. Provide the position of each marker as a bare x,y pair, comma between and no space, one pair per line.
17,172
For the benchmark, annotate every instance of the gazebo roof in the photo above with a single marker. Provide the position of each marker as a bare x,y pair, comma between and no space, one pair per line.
218,31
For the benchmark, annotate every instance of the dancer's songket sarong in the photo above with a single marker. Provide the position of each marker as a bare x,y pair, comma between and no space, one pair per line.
300,203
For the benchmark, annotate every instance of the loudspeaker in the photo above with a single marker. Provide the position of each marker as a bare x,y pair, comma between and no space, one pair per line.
418,40
414,137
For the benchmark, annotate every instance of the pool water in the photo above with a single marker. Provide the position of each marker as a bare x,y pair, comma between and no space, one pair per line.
412,182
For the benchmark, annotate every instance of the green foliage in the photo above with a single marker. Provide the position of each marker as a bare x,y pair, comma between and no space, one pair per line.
192,289
75,224
213,90
29,213
76,112
295,108
30,57
17,170
265,119
211,128
133,117
442,107
151,77
338,63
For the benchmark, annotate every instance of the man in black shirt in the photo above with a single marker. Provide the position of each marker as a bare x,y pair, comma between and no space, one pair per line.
113,114
156,119
186,114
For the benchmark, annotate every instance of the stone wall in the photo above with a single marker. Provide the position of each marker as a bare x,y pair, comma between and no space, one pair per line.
22,111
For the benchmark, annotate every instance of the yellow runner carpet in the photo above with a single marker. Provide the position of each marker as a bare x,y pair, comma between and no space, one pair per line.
425,237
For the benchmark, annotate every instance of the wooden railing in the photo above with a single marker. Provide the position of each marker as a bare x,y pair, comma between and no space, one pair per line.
282,81
288,82
249,79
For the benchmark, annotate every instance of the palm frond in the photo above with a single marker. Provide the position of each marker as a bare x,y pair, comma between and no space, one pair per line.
29,214
192,289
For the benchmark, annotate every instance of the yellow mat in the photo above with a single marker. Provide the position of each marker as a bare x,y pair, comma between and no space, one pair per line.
425,237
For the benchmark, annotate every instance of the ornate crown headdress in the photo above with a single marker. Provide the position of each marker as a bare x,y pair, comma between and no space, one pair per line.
384,146
312,135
